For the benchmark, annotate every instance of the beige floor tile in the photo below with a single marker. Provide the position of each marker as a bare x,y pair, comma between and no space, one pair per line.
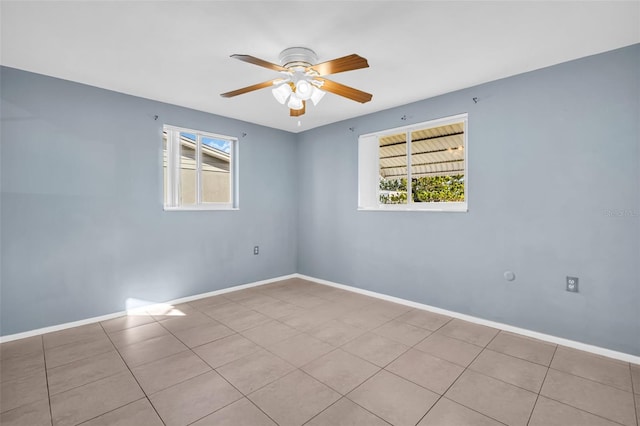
239,295
345,412
244,320
86,370
203,334
424,319
138,334
449,349
335,332
426,370
593,397
294,398
509,369
223,310
209,301
73,335
279,309
21,347
340,370
402,332
23,391
193,399
74,351
254,371
306,301
256,300
390,310
157,375
225,350
449,413
269,333
475,334
126,321
364,319
493,398
552,413
151,350
241,412
34,414
163,311
91,400
138,413
394,399
635,376
376,349
177,323
594,367
306,321
15,367
523,347
300,349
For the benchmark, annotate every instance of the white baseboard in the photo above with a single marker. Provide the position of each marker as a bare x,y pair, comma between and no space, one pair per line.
101,318
517,330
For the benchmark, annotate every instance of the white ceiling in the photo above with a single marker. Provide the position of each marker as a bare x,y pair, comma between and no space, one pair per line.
178,51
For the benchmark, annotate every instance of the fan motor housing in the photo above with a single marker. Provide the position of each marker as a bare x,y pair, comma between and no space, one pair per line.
294,57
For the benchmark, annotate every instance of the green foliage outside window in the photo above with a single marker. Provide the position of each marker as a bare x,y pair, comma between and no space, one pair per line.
423,190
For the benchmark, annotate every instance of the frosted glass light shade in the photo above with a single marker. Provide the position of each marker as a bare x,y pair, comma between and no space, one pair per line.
295,102
281,93
304,89
317,95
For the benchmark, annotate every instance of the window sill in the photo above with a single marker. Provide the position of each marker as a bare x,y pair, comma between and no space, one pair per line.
199,208
437,208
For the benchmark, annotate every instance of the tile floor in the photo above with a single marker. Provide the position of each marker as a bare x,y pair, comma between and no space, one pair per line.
294,353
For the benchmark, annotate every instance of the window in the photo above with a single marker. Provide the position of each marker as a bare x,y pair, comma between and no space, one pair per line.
417,167
200,170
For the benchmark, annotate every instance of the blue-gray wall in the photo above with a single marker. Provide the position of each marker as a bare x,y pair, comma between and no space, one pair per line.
83,228
553,191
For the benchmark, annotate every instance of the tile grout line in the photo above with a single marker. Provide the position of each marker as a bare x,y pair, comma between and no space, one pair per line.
633,396
46,376
134,378
541,385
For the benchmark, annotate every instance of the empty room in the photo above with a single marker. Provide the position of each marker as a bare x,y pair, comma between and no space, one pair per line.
261,213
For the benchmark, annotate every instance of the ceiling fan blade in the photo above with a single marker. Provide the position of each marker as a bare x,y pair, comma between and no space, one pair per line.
298,112
250,88
257,61
346,63
345,91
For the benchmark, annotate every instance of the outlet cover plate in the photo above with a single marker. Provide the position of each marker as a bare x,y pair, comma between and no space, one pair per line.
572,284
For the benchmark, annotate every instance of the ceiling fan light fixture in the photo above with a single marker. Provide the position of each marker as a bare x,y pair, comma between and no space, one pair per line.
282,92
316,95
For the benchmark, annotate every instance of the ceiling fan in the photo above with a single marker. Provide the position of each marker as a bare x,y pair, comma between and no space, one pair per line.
302,78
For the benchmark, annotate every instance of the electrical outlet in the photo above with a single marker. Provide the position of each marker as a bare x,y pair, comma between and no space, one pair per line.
572,284
256,250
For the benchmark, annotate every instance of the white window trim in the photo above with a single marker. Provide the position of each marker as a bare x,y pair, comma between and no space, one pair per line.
173,177
368,166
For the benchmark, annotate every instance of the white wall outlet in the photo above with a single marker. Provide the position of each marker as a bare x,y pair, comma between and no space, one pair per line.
572,284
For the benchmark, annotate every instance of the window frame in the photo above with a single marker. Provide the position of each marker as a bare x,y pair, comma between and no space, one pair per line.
369,166
174,175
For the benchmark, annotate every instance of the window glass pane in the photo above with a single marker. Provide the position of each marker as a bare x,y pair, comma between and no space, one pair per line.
216,170
165,158
393,169
437,164
187,168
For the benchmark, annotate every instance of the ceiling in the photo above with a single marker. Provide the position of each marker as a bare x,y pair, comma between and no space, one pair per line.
178,51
